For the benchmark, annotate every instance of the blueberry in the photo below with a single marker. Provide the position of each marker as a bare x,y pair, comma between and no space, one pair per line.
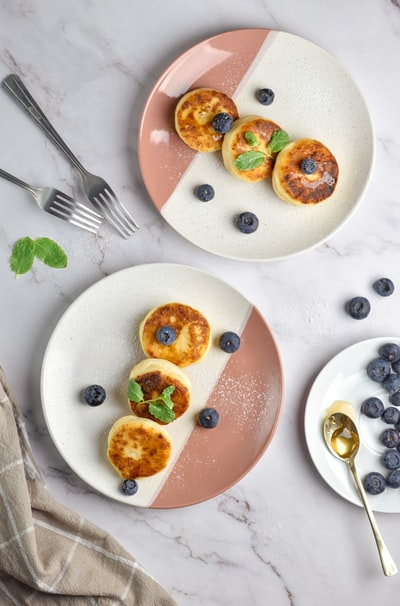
229,342
222,122
94,395
391,415
378,369
308,166
208,417
392,382
384,287
374,482
394,398
390,438
396,366
247,222
265,96
129,487
391,458
205,192
358,308
390,351
393,479
166,335
372,408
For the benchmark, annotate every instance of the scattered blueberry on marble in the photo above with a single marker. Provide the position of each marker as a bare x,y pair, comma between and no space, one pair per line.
208,418
374,482
129,487
358,308
94,395
384,287
222,122
390,351
391,458
378,369
393,479
308,166
205,192
247,222
390,437
265,96
166,335
391,415
373,408
229,342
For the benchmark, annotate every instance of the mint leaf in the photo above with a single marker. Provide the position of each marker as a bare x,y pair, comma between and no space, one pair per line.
22,256
278,141
50,253
161,411
166,396
251,138
249,160
135,393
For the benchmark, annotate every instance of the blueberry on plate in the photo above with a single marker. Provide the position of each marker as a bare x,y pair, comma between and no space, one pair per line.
308,166
384,287
378,369
372,408
222,122
94,395
396,366
129,487
208,418
265,96
391,415
394,398
392,382
247,222
229,342
391,458
205,192
390,437
358,308
374,482
390,351
393,479
166,335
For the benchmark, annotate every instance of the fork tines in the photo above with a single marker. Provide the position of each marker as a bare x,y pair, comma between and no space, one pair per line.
76,213
114,211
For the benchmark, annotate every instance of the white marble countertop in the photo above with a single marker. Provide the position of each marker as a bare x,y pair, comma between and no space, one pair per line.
281,535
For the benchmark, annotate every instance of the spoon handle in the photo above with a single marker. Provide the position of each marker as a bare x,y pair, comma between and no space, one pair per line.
388,564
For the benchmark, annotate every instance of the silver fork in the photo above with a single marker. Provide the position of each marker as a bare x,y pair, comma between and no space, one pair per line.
59,204
96,189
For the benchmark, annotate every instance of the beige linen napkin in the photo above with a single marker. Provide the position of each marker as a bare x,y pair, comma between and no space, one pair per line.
49,555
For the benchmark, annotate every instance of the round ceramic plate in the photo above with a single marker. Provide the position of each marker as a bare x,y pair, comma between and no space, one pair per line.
96,341
345,378
314,97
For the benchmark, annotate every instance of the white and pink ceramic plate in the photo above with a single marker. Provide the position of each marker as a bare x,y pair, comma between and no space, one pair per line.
314,97
96,341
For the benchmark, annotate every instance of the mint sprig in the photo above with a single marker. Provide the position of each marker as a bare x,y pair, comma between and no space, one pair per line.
25,251
255,157
161,407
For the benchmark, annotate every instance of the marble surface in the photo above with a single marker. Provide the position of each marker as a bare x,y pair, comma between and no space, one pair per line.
281,535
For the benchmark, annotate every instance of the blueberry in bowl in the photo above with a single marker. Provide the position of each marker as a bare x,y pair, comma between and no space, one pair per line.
378,369
374,483
373,407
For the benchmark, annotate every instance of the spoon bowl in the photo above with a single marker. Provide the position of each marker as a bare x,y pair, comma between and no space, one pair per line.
343,441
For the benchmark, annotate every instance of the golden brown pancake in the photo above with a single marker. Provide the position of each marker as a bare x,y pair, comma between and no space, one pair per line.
153,376
194,113
292,185
138,448
235,143
193,334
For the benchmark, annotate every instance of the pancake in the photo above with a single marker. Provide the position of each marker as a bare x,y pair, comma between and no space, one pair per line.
193,334
236,143
293,185
153,376
194,113
138,448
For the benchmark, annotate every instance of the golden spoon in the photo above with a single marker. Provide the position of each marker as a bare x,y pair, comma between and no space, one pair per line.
342,438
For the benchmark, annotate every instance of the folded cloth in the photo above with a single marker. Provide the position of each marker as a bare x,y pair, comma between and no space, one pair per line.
50,555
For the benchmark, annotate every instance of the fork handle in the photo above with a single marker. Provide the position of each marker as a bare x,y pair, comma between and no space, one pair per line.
9,177
15,88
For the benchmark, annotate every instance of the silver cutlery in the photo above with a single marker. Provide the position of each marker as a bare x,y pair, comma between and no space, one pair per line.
96,189
59,204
